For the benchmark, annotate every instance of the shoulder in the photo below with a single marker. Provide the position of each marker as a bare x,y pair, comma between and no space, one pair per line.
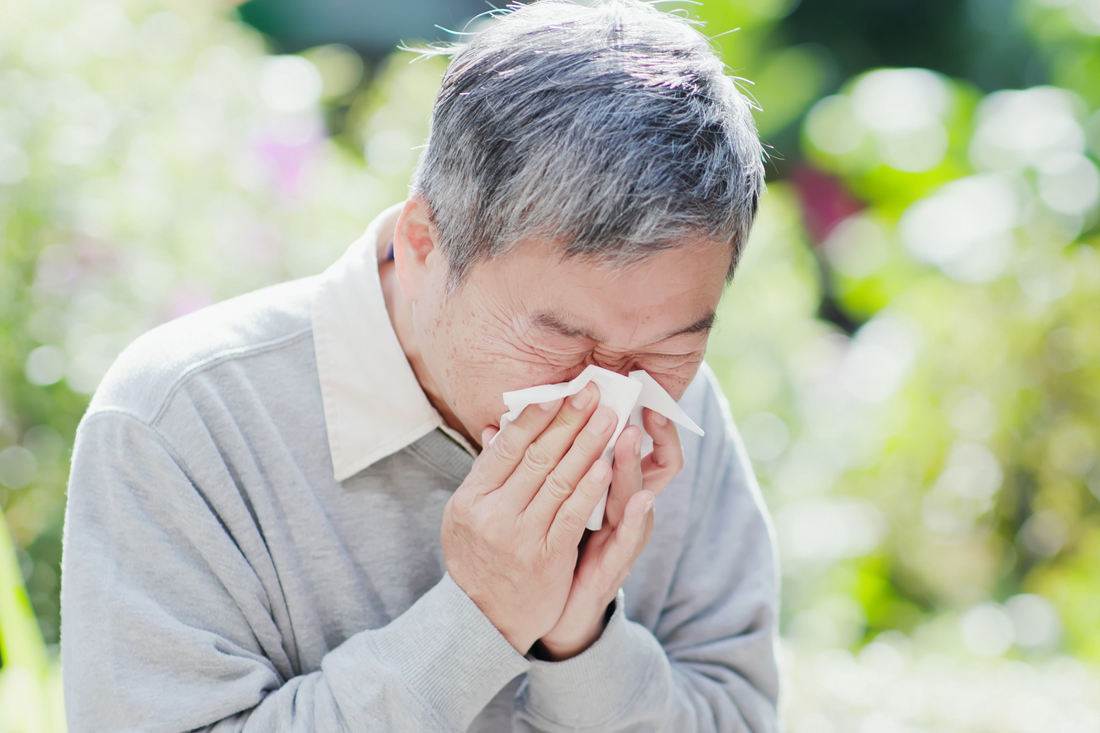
150,369
715,463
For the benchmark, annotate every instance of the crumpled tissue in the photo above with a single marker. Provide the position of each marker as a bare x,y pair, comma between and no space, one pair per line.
625,395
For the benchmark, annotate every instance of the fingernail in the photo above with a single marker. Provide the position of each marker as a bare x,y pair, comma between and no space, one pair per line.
582,398
551,406
598,473
648,507
601,421
638,445
660,419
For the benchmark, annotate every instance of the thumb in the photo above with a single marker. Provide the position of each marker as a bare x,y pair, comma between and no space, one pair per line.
630,537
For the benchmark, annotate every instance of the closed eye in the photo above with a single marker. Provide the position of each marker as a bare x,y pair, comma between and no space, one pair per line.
666,361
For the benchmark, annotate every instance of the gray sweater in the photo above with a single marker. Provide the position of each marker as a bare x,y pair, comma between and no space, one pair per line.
216,575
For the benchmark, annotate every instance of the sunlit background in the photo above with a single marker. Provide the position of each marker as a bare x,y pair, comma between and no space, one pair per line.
911,348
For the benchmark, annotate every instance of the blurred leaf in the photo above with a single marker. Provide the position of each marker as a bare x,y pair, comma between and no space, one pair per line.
20,641
787,82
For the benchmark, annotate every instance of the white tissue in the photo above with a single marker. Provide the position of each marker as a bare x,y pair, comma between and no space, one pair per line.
625,395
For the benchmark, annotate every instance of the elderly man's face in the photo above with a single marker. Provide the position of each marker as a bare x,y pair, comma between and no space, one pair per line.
531,317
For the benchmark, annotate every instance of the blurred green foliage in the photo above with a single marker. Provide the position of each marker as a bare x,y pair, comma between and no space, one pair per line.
30,687
911,348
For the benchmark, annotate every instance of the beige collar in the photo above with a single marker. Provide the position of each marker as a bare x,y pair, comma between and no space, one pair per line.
374,405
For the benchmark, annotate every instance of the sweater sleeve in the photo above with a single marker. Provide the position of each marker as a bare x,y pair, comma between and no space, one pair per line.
710,664
160,614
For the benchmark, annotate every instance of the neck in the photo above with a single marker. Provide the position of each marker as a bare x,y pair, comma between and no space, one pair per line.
399,308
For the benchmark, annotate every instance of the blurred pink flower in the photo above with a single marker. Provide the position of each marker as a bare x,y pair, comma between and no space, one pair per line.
825,201
288,151
188,297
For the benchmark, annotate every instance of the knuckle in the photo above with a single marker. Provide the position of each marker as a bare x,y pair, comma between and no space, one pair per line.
671,460
598,478
537,459
569,520
556,487
458,508
507,448
590,491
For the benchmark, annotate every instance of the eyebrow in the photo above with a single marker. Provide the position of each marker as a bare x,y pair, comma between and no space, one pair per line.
552,322
703,324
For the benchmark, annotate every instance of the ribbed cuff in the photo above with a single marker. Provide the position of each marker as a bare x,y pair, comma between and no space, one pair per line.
595,686
448,653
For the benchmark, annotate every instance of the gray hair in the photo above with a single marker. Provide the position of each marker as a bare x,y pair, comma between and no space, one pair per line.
609,128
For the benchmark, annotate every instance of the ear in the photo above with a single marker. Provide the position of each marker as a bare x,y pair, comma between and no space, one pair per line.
416,251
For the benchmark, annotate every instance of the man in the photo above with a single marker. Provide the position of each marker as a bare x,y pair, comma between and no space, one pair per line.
285,512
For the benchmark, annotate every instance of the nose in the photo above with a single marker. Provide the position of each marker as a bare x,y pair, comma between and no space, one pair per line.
620,365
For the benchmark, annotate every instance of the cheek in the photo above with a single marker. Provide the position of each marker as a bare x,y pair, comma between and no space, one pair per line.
514,369
528,363
481,366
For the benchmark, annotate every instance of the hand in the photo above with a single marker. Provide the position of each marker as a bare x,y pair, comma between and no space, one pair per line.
511,531
658,467
610,553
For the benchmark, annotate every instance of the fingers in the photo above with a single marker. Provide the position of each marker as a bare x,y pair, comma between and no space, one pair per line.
567,527
560,483
626,479
498,461
630,538
605,562
610,554
667,457
546,460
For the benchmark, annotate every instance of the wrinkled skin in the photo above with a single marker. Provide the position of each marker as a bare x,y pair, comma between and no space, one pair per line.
512,531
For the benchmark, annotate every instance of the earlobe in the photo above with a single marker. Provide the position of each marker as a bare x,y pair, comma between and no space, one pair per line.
415,248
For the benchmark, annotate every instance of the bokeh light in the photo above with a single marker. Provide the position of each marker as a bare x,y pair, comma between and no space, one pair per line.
910,349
